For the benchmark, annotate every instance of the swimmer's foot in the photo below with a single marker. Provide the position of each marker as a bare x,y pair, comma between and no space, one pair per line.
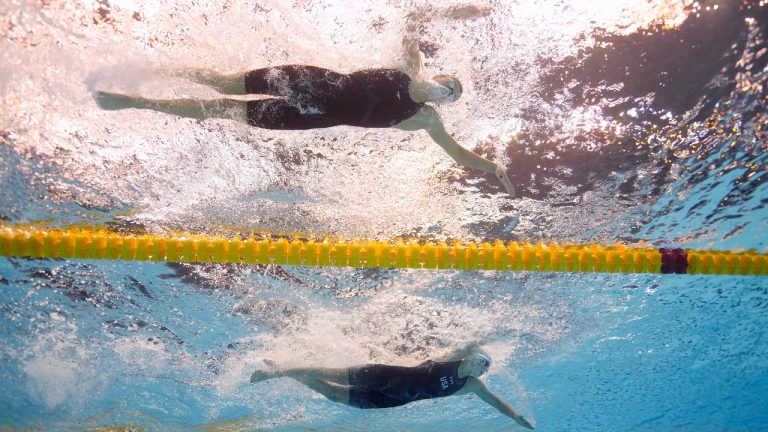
113,101
261,375
272,371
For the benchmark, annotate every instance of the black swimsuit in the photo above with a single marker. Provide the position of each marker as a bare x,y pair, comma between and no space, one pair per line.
312,97
384,386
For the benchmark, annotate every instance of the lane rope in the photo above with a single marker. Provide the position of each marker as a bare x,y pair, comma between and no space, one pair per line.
86,243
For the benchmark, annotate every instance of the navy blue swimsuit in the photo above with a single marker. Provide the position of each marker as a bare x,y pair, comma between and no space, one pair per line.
311,97
384,386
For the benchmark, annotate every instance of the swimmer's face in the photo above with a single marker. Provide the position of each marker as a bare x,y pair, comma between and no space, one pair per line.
477,364
452,84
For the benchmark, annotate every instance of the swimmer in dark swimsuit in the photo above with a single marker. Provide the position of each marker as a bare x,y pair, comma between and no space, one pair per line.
308,97
385,386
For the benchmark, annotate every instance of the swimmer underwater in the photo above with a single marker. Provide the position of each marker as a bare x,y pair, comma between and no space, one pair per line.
309,97
386,386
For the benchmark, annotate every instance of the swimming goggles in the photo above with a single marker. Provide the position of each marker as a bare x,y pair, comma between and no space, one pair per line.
452,87
484,361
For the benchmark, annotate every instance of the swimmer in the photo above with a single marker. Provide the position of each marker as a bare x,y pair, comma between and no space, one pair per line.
385,386
309,97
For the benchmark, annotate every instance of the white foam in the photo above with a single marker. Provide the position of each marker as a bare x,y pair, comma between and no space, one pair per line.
51,378
142,353
58,369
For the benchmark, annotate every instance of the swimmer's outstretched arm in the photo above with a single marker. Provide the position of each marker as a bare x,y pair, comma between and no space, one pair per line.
428,119
474,385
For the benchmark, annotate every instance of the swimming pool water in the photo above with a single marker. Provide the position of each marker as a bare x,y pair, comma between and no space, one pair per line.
636,122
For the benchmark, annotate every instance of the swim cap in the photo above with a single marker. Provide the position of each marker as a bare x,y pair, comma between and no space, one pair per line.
452,84
485,360
479,359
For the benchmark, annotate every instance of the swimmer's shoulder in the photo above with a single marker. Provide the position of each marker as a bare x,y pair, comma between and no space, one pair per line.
425,118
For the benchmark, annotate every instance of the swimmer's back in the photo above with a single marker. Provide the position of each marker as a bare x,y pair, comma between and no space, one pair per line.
382,386
381,98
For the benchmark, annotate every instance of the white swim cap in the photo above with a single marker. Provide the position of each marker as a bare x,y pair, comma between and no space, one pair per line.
480,361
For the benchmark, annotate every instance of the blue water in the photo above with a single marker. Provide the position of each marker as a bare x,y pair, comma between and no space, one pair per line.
631,122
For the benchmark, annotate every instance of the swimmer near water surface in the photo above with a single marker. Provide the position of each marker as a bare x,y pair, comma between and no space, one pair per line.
309,97
387,386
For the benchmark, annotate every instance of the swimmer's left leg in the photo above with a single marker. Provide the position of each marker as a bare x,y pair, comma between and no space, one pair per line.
190,108
329,382
339,376
332,391
230,84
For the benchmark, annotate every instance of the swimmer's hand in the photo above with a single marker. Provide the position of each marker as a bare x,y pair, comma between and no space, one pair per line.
523,422
501,174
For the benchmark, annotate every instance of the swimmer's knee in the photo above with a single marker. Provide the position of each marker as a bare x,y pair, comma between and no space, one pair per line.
232,84
231,109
